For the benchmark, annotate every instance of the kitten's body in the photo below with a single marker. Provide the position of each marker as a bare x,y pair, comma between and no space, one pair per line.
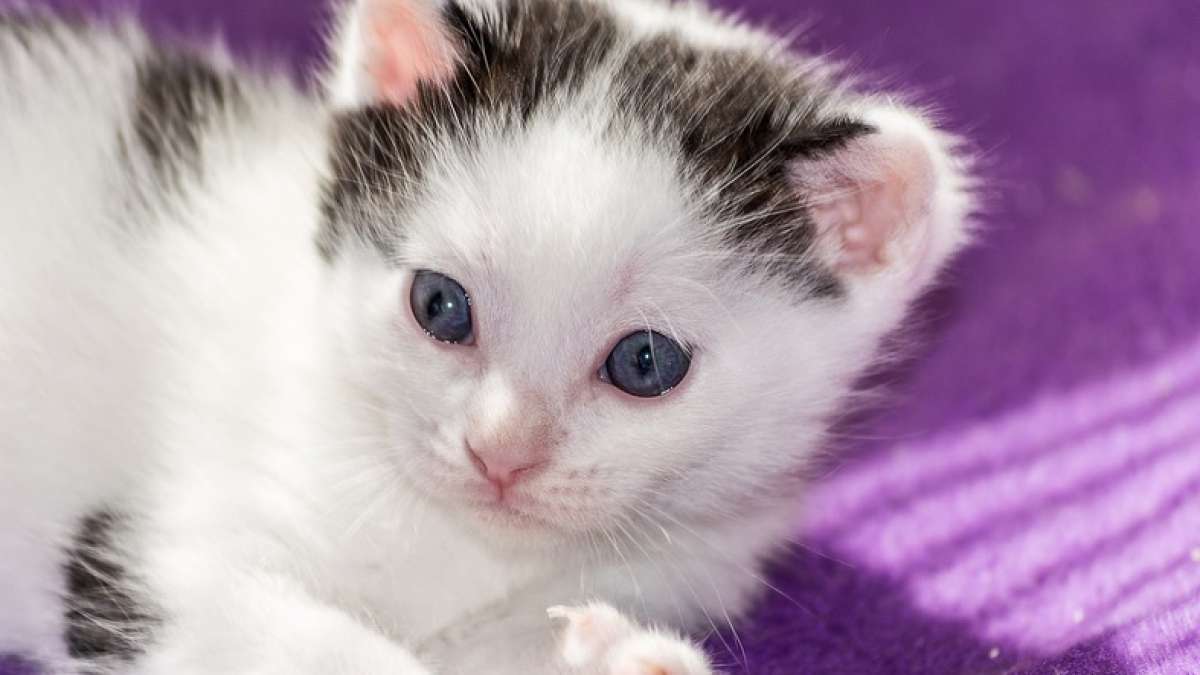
223,442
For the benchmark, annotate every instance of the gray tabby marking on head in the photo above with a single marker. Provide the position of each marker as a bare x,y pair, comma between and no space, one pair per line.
106,621
739,120
532,54
734,118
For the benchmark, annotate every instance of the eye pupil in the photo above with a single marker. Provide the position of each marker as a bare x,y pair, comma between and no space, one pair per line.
647,364
439,305
645,360
442,307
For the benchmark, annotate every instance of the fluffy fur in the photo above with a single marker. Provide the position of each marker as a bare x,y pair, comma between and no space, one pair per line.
227,447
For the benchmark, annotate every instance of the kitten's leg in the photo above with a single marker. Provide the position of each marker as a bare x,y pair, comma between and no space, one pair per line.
266,625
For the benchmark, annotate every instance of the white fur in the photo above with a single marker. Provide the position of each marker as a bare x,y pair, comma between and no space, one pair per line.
291,444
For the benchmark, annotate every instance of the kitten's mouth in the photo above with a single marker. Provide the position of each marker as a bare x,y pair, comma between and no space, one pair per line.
517,507
505,500
529,506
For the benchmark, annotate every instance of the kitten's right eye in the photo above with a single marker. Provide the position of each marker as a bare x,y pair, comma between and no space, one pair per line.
442,307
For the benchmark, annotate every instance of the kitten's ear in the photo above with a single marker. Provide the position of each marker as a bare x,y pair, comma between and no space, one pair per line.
891,205
386,48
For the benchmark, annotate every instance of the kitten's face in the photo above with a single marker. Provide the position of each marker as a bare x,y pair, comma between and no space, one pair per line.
658,326
565,249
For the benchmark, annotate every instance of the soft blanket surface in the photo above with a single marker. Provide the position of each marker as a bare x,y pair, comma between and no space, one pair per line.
1028,499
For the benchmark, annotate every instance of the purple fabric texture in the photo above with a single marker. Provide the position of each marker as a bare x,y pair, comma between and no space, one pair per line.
1028,499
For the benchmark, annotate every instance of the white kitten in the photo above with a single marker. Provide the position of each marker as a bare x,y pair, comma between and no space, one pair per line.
548,306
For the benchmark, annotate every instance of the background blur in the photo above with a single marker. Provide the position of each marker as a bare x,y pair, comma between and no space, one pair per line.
1029,498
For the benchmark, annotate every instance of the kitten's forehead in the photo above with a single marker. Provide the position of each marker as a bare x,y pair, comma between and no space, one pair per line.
717,101
583,235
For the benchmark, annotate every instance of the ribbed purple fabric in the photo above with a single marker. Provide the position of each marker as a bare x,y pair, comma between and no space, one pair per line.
1029,498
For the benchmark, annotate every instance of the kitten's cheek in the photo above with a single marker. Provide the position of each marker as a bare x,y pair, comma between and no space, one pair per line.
447,449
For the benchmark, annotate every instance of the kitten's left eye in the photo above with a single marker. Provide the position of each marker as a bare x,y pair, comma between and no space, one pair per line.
442,307
646,364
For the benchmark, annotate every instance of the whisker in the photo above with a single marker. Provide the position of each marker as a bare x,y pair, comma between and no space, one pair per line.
751,573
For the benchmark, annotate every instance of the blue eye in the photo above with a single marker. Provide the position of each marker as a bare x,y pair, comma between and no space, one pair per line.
646,364
442,307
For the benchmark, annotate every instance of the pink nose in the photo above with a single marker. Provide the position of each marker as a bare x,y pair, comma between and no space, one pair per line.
502,466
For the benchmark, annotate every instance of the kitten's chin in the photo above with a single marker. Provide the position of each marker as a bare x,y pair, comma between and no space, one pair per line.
511,530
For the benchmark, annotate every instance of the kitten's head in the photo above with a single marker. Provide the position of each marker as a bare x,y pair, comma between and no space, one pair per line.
607,259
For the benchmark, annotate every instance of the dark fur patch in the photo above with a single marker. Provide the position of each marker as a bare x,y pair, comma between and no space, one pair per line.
736,118
378,153
106,620
179,96
533,52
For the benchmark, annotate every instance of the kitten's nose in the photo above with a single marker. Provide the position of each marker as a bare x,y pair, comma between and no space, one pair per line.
503,466
510,431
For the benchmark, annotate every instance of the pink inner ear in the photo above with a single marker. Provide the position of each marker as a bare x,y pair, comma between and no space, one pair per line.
868,207
860,220
410,45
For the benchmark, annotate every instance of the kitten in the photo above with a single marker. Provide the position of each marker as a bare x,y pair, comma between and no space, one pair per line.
503,357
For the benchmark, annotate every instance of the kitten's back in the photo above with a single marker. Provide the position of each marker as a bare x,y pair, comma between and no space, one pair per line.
61,88
139,188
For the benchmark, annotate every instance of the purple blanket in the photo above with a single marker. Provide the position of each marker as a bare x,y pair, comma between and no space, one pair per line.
1029,498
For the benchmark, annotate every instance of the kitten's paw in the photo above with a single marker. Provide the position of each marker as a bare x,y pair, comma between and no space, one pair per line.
599,639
